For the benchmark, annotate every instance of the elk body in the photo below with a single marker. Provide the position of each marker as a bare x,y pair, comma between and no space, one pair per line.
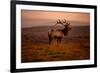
58,34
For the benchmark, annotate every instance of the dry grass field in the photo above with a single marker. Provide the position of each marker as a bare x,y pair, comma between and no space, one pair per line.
35,45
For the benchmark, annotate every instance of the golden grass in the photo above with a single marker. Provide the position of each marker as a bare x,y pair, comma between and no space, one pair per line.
35,47
45,52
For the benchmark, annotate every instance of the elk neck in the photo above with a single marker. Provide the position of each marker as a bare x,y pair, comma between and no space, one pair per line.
65,31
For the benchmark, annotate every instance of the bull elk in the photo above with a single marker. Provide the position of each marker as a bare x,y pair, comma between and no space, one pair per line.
58,34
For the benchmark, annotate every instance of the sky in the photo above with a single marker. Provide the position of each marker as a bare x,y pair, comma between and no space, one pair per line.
31,18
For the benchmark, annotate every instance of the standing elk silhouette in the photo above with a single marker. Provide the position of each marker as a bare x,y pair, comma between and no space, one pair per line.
58,34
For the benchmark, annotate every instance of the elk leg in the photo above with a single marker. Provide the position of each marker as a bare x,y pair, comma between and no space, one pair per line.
58,40
49,41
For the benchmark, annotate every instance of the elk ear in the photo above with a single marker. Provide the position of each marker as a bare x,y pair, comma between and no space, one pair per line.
69,28
68,23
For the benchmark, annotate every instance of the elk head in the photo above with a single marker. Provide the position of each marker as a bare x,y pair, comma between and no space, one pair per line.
66,25
63,22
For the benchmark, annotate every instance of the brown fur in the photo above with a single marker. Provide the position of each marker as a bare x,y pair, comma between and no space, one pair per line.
58,34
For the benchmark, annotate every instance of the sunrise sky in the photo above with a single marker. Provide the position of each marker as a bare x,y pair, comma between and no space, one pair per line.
30,18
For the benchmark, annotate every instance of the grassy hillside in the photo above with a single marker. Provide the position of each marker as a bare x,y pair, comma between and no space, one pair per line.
74,46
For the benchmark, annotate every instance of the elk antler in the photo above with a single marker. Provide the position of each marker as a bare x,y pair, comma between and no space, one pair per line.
64,21
59,21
